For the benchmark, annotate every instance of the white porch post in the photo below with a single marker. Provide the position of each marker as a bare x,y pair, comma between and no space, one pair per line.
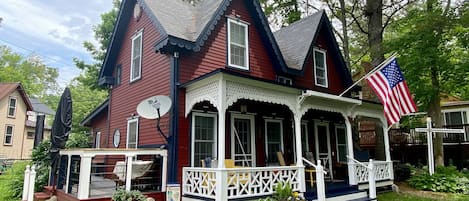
299,152
164,172
26,183
221,190
350,154
387,148
128,172
85,175
67,180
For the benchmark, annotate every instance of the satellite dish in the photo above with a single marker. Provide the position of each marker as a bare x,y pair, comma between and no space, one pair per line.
149,107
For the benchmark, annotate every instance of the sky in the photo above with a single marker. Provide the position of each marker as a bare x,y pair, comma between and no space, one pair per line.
52,29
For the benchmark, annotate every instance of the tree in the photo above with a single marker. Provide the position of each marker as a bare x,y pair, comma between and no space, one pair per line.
37,79
433,56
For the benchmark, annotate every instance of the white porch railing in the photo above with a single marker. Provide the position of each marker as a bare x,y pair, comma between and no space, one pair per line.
239,182
83,184
320,185
382,171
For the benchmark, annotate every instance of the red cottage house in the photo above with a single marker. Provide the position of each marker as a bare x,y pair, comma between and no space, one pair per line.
251,107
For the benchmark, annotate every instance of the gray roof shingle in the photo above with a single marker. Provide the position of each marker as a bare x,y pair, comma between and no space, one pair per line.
40,107
295,40
183,19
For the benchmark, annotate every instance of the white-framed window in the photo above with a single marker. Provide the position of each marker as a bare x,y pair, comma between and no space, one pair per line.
455,117
30,135
12,107
8,135
97,140
273,139
238,46
243,144
320,68
204,137
284,80
341,143
136,58
132,133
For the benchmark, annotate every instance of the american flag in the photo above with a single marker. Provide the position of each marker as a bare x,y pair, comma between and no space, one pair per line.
391,88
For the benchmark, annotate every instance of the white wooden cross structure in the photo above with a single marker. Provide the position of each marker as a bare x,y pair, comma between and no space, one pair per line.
429,130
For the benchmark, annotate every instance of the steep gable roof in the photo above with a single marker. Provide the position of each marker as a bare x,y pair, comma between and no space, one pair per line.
296,42
103,107
7,88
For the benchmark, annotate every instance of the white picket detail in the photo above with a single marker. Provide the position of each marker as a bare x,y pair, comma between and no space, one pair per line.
382,171
240,182
28,184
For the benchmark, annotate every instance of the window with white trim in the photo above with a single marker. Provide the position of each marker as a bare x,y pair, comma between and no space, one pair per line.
97,140
204,137
12,107
455,118
273,140
238,46
132,133
8,135
136,57
320,68
341,143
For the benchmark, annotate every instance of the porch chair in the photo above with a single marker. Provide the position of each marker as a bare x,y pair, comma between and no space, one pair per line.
232,180
310,170
280,158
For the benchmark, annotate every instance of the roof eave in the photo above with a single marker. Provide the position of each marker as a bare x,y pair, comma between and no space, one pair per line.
97,111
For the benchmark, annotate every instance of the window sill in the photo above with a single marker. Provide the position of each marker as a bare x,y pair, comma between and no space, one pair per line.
8,145
231,67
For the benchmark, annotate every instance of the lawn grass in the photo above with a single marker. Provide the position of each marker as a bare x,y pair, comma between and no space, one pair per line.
392,196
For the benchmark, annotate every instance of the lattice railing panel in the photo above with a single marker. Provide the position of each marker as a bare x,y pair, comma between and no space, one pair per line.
382,170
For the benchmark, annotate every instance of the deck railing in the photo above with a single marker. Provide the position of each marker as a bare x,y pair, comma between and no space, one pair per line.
409,136
99,172
237,183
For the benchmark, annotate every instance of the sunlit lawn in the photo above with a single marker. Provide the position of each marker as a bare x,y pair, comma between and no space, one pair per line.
391,196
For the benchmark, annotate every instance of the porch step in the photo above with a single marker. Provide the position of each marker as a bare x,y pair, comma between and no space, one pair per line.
41,196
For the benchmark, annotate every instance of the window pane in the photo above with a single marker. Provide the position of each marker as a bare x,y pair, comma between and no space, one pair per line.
204,128
237,34
132,135
342,150
8,139
9,130
12,102
273,140
238,55
136,56
319,59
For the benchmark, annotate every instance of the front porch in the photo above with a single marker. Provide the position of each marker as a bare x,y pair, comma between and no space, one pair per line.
268,130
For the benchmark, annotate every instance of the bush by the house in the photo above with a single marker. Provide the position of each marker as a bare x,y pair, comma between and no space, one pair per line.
123,195
445,179
284,192
41,159
11,182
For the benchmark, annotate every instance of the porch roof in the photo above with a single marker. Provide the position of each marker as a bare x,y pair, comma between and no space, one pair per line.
113,151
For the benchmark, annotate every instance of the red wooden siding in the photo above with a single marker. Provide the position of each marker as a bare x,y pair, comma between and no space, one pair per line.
99,124
154,81
335,83
213,54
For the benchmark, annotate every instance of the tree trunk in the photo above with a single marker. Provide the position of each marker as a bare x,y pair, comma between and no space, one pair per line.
374,14
345,43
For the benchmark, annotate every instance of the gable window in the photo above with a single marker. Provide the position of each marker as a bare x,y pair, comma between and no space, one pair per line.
8,135
320,68
238,48
12,107
136,60
97,140
118,75
203,137
132,133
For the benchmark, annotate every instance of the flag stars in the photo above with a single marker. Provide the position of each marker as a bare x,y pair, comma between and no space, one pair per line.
393,74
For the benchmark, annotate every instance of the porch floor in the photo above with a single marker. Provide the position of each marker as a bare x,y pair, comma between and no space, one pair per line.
333,189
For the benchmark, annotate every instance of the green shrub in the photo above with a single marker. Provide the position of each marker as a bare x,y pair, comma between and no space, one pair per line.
11,182
123,195
283,192
445,179
41,159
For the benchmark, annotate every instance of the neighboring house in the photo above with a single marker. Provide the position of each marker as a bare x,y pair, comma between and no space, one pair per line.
14,105
243,96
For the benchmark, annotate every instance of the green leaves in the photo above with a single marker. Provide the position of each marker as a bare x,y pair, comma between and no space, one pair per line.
445,179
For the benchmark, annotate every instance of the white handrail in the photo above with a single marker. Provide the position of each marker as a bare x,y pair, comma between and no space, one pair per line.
357,162
312,164
371,177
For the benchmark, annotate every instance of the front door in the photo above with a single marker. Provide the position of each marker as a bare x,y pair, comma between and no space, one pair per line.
242,140
323,145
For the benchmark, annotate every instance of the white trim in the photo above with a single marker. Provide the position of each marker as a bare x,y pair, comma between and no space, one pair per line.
214,150
97,140
233,140
129,121
8,107
11,134
340,126
246,43
325,68
460,110
266,138
135,36
328,138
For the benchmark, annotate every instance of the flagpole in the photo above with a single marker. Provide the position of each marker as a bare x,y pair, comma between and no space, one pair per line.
379,67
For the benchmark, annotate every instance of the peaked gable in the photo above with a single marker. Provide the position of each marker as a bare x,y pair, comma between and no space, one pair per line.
7,88
297,40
